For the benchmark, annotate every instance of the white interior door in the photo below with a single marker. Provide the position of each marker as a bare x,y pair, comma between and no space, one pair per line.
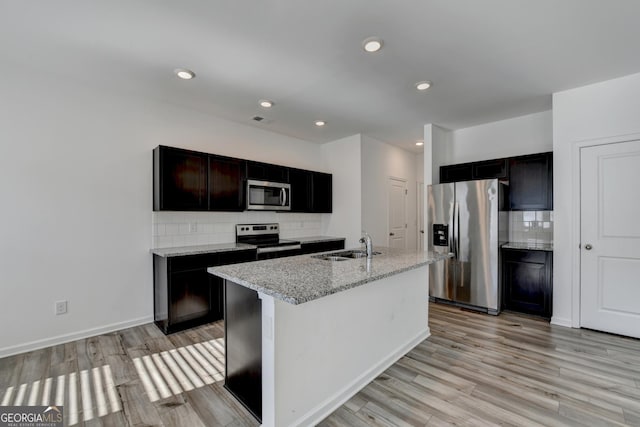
610,238
420,203
397,213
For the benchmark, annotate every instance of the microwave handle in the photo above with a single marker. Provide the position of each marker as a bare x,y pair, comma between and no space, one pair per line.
283,197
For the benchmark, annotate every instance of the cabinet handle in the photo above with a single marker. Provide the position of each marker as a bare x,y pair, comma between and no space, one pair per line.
588,247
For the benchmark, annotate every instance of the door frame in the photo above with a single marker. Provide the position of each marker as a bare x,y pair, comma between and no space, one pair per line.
576,279
420,236
406,187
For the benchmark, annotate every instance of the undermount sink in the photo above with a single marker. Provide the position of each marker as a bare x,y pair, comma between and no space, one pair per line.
344,255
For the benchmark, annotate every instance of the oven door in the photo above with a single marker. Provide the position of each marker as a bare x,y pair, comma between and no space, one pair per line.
268,196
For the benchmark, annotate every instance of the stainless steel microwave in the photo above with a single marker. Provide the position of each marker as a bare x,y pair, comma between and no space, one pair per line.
268,196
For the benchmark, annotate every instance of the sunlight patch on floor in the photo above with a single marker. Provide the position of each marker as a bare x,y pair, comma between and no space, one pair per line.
98,396
171,372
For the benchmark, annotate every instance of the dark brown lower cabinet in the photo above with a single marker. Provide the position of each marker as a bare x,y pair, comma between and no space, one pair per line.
527,278
185,295
243,346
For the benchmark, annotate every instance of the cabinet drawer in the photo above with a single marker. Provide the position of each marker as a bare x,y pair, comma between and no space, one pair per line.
192,262
234,257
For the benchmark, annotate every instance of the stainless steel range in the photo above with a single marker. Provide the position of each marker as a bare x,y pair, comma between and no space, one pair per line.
267,238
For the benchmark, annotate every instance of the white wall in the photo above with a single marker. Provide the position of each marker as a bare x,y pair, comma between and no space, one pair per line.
380,161
76,186
344,157
505,138
609,109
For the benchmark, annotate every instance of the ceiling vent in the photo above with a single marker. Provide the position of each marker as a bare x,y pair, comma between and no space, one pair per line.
258,118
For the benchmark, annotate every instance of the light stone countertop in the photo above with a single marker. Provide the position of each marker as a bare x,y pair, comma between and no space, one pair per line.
529,246
201,249
315,239
302,278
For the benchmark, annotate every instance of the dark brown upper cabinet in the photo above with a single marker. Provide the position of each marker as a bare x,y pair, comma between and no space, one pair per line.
488,169
301,182
185,180
267,172
226,183
530,178
321,193
531,182
179,180
454,173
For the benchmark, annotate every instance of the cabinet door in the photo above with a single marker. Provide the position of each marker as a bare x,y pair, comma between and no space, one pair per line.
180,180
527,281
454,173
322,192
531,182
267,172
190,296
300,181
226,183
490,169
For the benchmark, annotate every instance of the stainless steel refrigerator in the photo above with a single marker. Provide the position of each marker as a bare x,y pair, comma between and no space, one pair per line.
467,219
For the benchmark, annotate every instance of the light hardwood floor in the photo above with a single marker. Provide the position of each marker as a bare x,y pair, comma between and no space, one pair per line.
475,369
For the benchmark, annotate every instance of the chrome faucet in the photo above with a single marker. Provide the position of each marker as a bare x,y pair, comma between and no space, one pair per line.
368,244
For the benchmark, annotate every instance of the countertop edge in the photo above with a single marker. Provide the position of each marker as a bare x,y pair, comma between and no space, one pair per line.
199,249
345,287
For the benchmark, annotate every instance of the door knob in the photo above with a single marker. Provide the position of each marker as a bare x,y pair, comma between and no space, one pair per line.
588,247
391,234
422,231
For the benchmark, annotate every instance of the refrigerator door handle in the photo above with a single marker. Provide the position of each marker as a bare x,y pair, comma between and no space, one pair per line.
456,230
452,233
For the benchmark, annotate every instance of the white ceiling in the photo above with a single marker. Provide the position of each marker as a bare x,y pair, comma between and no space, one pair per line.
488,60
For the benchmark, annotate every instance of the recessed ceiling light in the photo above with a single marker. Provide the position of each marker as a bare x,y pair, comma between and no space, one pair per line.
320,123
419,143
372,44
423,85
184,74
265,103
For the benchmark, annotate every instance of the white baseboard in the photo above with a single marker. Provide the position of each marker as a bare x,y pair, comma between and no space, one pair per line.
325,408
561,322
61,339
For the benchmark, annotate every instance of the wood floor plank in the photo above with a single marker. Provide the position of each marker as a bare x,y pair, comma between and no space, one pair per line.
394,404
376,415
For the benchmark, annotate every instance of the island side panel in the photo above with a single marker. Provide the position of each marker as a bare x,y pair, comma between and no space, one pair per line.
326,350
243,346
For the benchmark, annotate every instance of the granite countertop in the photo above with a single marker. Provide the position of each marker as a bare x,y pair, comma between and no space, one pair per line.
316,239
529,246
302,278
200,249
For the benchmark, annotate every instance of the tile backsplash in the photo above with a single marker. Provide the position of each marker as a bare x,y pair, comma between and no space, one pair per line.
172,229
531,226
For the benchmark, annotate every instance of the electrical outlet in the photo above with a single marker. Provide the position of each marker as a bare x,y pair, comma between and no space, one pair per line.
61,307
193,227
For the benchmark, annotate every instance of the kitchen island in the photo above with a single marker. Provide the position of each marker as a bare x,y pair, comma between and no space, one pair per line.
305,333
